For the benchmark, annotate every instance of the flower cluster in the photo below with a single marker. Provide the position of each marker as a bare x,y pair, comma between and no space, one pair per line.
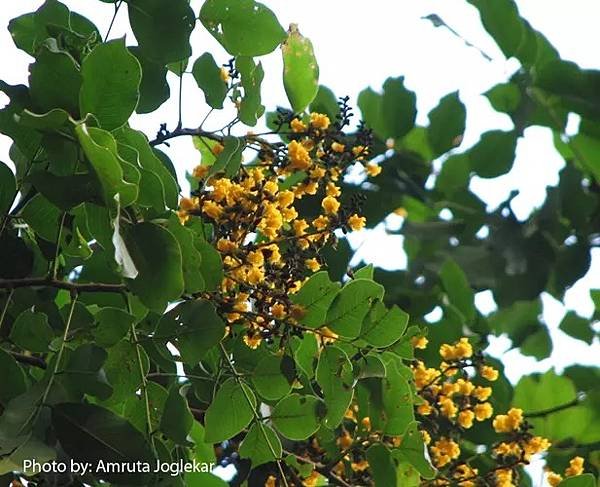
575,468
267,250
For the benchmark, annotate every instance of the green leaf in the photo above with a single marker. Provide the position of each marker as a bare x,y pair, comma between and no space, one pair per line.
230,412
585,480
203,479
259,444
300,70
111,81
112,324
334,376
494,154
351,305
194,327
243,27
208,76
177,418
305,350
397,398
106,437
538,344
383,326
54,81
162,29
504,97
191,256
83,373
370,104
412,449
149,159
28,31
31,331
157,257
588,157
42,216
537,394
135,407
14,379
66,192
297,417
381,465
454,176
230,159
577,327
398,108
270,377
212,265
154,89
8,188
316,296
458,289
325,102
446,124
251,78
123,370
203,451
101,151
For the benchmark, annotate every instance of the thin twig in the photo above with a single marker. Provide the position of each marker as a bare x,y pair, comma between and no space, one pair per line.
69,286
112,21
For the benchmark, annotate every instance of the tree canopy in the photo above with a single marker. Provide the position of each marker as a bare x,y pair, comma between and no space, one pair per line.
146,320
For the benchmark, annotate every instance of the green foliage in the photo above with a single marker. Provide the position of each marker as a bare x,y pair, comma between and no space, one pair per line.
117,341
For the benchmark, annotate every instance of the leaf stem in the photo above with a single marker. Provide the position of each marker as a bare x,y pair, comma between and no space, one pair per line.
255,413
5,308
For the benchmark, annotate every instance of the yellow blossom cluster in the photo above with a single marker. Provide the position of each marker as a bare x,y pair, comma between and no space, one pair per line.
575,468
267,250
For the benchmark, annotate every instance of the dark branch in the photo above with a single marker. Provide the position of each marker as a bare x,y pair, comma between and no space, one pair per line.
555,409
29,360
163,135
69,286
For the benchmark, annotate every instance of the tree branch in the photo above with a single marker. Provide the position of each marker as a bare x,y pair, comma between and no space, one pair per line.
69,286
555,409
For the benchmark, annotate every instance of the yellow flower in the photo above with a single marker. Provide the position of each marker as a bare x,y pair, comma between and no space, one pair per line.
297,125
465,387
278,311
505,423
401,212
332,190
312,264
510,449
482,393
488,373
217,149
504,478
212,209
424,409
321,222
537,444
463,348
419,342
359,151
256,258
359,466
554,479
271,187
226,246
285,198
255,276
299,156
575,467
271,481
465,418
312,480
317,173
483,411
447,407
373,169
319,121
252,340
337,147
444,451
426,437
224,75
200,171
356,222
366,423
187,204
330,205
345,440
300,227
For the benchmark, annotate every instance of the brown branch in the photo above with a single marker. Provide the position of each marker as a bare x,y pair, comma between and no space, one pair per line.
163,135
56,283
322,469
29,360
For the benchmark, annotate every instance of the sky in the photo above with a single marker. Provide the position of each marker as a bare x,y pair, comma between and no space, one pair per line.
360,44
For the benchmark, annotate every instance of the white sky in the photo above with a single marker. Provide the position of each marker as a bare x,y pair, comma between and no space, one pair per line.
360,44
